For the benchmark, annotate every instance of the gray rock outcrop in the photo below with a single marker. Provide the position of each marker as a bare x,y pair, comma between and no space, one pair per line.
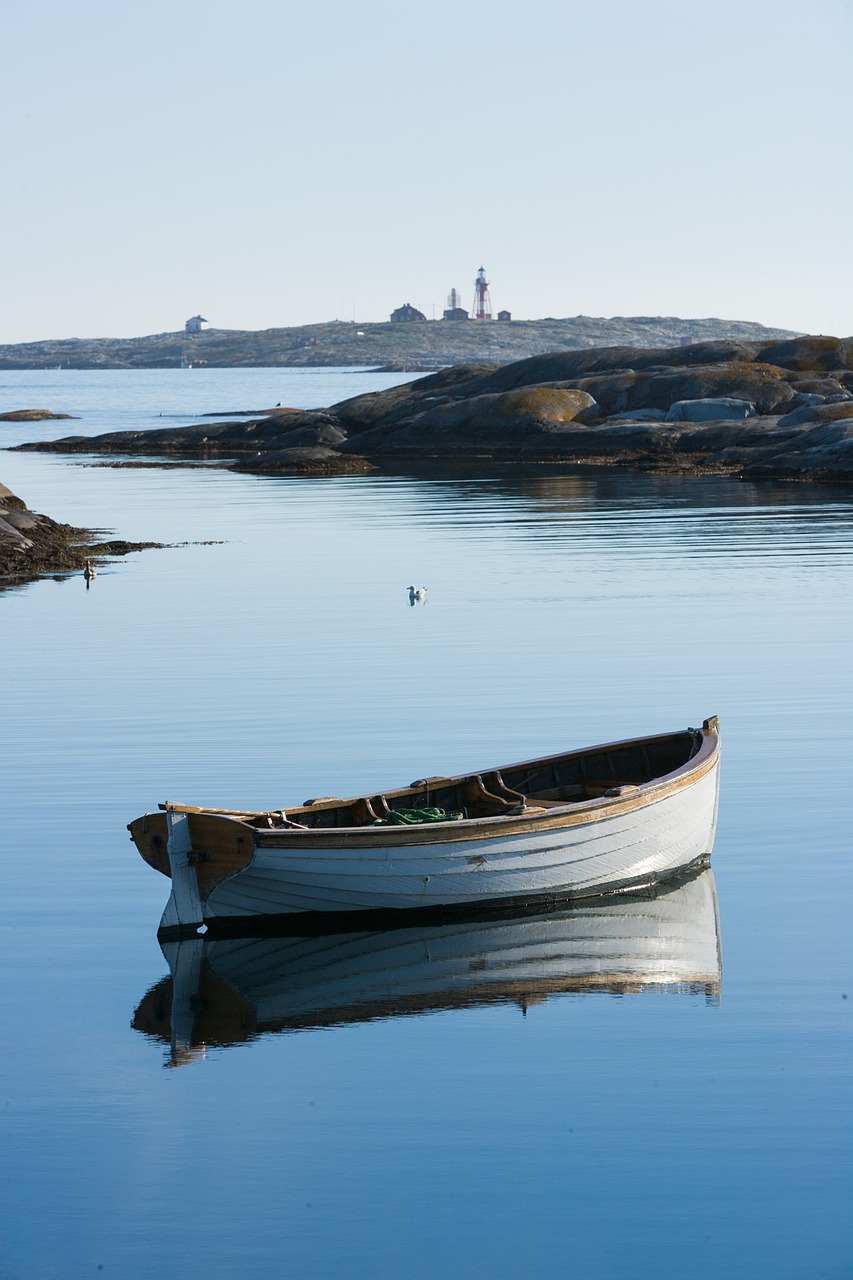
32,545
782,409
720,409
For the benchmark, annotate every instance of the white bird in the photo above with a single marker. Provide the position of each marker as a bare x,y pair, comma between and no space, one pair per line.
90,571
417,595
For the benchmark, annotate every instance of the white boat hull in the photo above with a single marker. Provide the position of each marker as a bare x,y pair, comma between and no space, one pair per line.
641,845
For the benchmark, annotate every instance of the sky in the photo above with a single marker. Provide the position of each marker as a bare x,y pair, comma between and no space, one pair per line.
276,162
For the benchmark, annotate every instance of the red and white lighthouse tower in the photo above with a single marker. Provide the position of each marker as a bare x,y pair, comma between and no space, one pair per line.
482,301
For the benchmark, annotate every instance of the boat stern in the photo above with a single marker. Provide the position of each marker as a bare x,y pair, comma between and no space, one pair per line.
197,851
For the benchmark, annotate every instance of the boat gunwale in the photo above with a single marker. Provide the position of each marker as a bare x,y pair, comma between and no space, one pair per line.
572,813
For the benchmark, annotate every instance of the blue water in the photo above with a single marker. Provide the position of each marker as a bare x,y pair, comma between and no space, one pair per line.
652,1133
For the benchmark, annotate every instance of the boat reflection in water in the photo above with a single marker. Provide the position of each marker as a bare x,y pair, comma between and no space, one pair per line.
225,991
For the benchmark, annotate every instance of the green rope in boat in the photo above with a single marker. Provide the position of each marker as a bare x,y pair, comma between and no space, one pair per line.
410,817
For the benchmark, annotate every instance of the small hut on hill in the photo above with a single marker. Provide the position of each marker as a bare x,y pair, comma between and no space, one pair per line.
406,313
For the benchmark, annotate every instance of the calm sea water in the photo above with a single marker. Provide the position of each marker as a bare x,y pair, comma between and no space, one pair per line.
640,1130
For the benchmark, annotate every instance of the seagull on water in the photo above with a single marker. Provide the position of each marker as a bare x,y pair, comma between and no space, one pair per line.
89,573
417,595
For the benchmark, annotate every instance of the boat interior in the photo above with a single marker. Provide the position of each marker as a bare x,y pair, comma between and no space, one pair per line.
537,785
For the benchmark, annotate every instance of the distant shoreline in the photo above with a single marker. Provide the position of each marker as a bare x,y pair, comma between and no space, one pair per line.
408,347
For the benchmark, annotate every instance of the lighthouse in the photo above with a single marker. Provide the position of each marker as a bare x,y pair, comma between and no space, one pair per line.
482,301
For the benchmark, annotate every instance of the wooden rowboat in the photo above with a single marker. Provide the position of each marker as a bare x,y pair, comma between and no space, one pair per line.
226,991
605,819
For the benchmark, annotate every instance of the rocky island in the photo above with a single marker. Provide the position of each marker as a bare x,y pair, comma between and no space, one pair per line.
781,409
31,415
414,345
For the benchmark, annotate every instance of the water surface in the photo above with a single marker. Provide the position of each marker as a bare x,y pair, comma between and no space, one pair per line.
602,1132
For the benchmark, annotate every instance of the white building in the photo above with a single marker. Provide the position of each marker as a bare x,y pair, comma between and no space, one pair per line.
195,324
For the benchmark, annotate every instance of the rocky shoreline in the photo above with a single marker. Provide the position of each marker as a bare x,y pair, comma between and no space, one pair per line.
32,545
781,410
